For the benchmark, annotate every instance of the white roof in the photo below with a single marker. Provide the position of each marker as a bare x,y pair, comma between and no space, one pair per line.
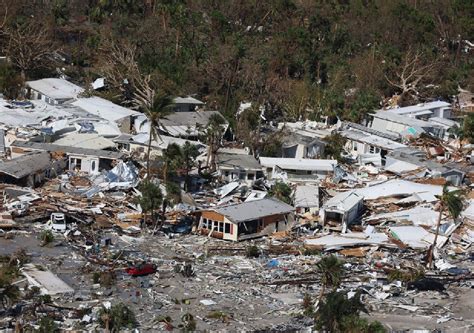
469,211
344,201
306,196
349,239
397,187
85,140
22,117
446,123
298,163
56,88
420,108
404,120
416,237
103,108
371,139
400,167
419,215
47,281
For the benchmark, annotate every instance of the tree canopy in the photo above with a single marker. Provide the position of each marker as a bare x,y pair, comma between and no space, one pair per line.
297,58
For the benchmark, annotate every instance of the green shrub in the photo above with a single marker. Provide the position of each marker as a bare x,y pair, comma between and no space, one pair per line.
117,317
46,237
252,251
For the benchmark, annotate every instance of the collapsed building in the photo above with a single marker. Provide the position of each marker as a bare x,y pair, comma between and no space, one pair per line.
77,163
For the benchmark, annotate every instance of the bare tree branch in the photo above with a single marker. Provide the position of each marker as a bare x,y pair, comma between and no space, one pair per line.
412,72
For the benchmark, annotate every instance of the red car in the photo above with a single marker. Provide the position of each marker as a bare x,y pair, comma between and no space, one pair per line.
141,270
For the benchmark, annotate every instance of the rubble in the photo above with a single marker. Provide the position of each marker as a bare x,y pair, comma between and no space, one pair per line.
225,250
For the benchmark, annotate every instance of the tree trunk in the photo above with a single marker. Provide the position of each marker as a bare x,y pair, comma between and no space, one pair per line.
321,293
209,152
148,154
430,257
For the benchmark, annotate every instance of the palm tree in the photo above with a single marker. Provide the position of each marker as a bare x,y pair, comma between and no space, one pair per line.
190,152
281,191
160,106
331,269
171,160
452,201
214,132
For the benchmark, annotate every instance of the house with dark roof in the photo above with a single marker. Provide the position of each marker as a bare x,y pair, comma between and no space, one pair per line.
246,220
29,169
85,160
240,167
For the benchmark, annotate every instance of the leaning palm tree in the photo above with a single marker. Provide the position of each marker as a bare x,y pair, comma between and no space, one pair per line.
155,105
452,201
331,269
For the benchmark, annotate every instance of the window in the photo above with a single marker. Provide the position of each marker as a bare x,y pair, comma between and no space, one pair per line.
227,228
354,146
226,173
221,227
374,150
250,176
93,165
242,175
204,223
76,163
123,146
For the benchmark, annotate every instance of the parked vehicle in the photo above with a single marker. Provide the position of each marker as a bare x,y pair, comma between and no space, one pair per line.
57,222
141,270
17,208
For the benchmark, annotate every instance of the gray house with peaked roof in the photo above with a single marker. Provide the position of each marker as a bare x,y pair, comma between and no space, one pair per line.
246,220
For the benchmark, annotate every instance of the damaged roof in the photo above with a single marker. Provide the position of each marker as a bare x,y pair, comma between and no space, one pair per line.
306,196
255,209
237,161
298,163
373,140
344,201
26,164
69,150
397,187
349,125
189,118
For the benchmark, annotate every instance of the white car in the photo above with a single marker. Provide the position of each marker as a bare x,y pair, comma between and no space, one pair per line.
57,222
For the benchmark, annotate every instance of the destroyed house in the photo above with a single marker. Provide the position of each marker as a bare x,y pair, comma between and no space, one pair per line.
408,160
246,220
240,167
306,198
297,169
296,145
28,170
365,144
79,159
188,124
344,208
